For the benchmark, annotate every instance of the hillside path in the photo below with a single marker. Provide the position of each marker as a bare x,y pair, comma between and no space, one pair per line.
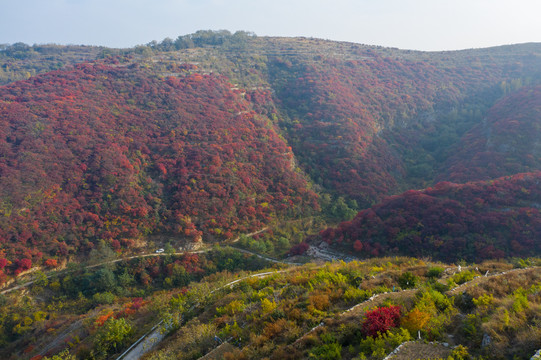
148,341
53,273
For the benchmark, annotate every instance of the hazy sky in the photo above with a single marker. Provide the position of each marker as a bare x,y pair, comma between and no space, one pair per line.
406,24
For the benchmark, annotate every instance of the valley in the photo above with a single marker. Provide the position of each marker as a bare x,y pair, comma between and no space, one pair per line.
343,172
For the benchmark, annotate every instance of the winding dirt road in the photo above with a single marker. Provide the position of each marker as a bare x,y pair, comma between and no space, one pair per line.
53,273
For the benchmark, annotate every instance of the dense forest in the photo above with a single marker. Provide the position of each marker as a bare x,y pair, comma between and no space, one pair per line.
477,220
217,134
99,152
506,142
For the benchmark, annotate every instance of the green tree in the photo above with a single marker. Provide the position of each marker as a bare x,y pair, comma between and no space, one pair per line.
101,253
338,208
112,335
126,279
179,275
283,243
64,355
104,298
407,280
434,272
40,279
329,350
169,249
104,280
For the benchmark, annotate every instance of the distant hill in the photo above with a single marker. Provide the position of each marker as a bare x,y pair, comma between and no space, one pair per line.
506,142
20,61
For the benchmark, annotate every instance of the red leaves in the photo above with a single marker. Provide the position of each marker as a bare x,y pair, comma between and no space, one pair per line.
51,263
103,318
131,307
437,221
191,263
381,320
503,143
299,249
162,169
22,265
111,153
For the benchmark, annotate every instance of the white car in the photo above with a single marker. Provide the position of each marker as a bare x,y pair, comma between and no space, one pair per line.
159,251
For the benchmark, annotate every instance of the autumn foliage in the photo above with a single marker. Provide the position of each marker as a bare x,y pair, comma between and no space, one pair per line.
505,143
121,147
100,152
477,220
299,249
352,121
381,320
415,320
51,263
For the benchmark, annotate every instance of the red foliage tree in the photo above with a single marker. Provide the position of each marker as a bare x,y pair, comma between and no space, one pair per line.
22,265
113,153
299,249
51,263
381,320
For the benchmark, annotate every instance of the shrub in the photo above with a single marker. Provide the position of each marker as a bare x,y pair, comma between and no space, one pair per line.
439,287
103,298
379,346
463,276
267,306
415,320
484,301
470,326
381,320
22,265
299,249
330,350
520,300
460,353
407,280
357,295
113,335
327,351
51,263
320,302
281,330
64,355
234,307
434,272
430,300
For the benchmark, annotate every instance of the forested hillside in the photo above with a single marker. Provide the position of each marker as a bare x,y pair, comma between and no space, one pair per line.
101,152
115,164
20,61
216,134
477,220
356,310
507,141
